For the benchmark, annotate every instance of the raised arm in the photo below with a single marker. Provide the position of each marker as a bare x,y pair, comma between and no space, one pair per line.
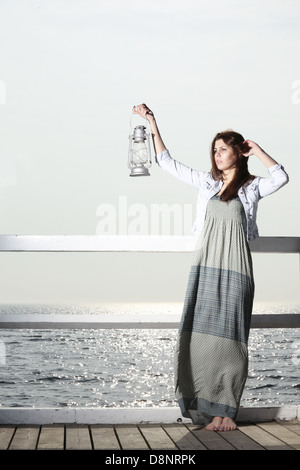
278,176
146,113
256,150
165,161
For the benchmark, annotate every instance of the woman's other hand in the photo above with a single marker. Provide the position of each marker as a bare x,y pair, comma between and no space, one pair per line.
250,148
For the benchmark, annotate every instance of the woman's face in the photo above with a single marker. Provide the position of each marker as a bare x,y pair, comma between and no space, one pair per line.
224,156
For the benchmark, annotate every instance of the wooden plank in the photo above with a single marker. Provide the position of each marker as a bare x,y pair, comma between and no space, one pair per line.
210,439
52,438
156,437
130,438
182,437
78,437
290,438
266,440
104,438
294,427
269,436
240,441
6,434
25,438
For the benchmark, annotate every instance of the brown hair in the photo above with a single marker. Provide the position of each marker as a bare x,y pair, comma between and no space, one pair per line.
242,176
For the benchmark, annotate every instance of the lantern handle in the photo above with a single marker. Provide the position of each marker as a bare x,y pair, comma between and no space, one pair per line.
147,126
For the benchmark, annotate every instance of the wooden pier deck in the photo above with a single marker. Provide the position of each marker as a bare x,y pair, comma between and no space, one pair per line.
150,437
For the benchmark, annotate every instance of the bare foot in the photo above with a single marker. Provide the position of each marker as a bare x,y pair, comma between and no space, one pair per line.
215,424
227,425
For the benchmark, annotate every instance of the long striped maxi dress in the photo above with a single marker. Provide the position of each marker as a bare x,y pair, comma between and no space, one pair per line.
211,358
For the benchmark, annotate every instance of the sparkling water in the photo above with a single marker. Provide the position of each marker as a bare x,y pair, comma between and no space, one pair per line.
129,368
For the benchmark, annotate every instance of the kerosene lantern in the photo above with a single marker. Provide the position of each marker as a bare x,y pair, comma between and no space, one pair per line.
139,153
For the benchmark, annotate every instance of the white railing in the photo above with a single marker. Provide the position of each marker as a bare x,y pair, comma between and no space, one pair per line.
151,243
90,243
82,243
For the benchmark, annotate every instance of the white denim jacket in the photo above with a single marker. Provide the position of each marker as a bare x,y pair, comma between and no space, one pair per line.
249,194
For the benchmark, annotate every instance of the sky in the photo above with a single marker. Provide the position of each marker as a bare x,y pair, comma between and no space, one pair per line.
70,73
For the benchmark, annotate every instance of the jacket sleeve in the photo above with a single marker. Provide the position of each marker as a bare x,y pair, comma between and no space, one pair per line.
278,178
179,170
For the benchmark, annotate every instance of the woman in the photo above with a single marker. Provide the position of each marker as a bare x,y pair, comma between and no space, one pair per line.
212,352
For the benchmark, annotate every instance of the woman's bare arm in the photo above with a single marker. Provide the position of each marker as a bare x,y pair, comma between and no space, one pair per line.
146,113
259,153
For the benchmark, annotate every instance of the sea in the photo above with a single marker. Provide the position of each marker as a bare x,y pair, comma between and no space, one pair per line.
129,367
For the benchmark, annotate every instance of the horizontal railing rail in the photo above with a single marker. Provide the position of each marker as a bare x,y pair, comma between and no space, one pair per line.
132,243
82,243
119,243
139,321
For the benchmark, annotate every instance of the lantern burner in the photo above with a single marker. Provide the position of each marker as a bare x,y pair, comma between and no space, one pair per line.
139,134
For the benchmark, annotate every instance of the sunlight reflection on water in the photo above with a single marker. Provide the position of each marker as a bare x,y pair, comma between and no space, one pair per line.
124,368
